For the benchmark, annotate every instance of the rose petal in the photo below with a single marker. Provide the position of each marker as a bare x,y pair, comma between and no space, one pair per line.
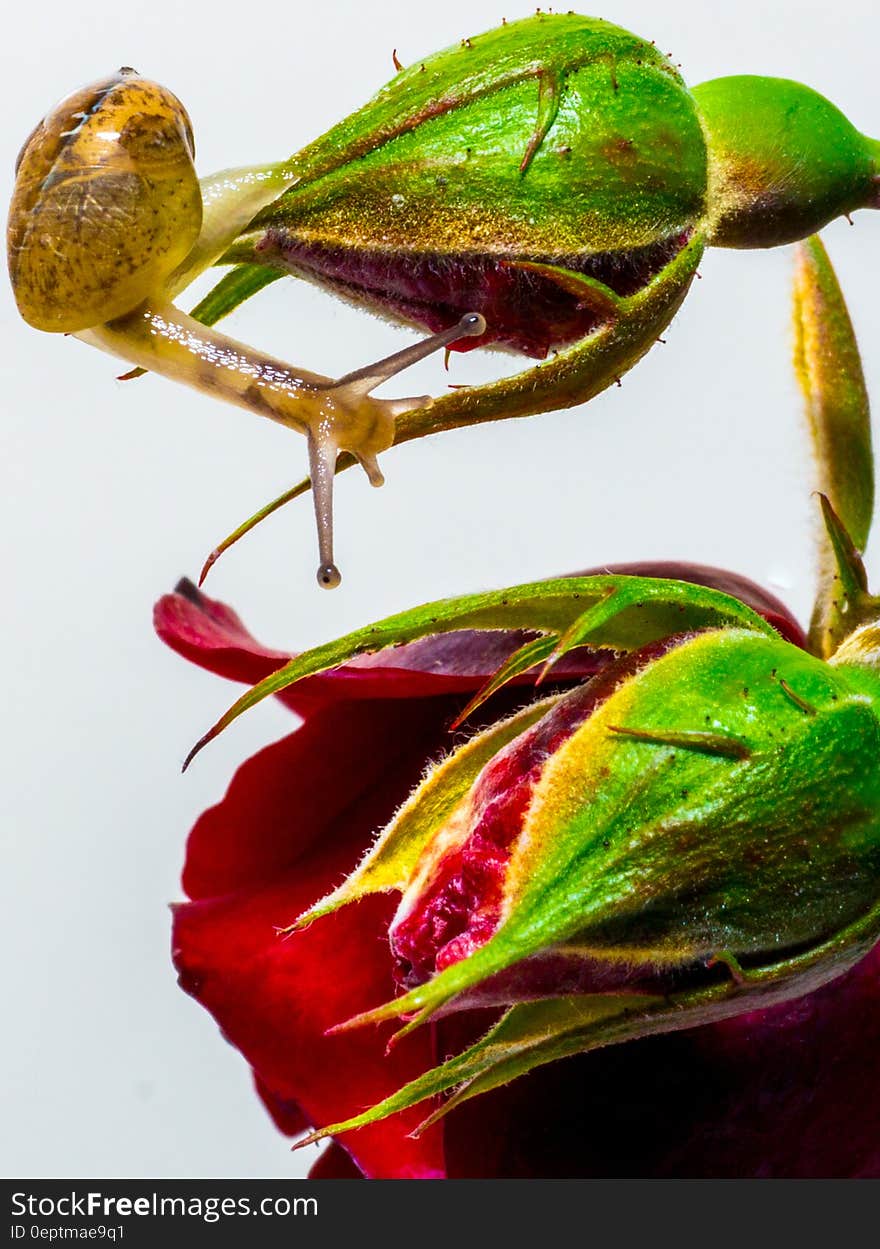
335,1164
275,997
349,764
293,823
286,1115
210,634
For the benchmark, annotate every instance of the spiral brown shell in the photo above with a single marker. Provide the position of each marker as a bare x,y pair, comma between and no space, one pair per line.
106,204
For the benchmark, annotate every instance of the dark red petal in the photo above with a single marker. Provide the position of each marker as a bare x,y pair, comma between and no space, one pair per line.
294,822
286,1115
347,767
275,997
524,310
212,635
792,1091
335,1164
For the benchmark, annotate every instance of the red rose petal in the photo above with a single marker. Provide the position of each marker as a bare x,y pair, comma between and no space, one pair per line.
294,822
210,634
286,1115
275,997
348,764
335,1164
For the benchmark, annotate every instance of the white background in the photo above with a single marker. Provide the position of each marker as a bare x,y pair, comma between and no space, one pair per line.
110,492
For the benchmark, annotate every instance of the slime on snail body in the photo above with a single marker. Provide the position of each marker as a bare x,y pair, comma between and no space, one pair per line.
109,222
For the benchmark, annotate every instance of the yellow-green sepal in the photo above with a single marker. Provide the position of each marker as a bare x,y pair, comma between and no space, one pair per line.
644,609
390,863
829,371
576,373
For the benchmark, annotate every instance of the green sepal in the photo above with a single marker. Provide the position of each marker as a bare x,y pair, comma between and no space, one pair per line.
232,290
389,864
523,660
520,1034
590,292
848,563
645,610
829,371
303,487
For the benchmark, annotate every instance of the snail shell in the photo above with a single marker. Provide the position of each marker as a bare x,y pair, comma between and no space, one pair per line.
106,204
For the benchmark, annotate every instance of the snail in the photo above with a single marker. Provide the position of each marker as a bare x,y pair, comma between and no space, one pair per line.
109,222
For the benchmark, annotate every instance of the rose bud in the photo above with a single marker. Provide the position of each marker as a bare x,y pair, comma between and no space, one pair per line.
296,819
549,174
557,176
689,836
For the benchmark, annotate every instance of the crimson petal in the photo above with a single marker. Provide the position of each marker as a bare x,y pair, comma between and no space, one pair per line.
295,820
275,997
350,764
293,823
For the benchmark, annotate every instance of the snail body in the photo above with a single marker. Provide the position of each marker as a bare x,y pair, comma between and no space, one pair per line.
108,222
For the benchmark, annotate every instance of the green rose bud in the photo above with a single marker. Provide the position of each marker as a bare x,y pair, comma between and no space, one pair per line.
525,170
557,176
544,171
662,816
